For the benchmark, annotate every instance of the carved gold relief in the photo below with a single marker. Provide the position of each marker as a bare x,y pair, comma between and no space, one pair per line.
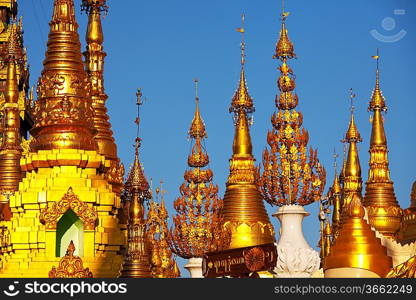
70,266
51,215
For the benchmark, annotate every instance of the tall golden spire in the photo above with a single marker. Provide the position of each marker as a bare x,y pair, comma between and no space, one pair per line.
357,245
94,63
290,175
342,172
244,213
384,212
63,113
10,151
336,193
198,207
136,262
352,175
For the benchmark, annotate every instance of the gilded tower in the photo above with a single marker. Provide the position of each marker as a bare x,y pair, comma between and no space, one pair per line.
356,252
10,150
64,196
94,65
244,213
384,212
352,180
11,47
8,26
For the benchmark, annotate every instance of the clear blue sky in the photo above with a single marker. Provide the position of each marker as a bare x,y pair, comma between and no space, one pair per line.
161,46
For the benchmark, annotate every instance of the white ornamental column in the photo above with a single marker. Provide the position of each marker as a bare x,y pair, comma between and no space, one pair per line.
194,267
295,258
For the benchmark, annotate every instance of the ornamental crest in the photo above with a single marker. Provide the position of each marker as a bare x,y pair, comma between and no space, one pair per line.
50,215
70,266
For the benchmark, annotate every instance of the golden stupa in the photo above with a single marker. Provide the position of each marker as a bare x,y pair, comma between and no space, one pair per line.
65,194
357,247
384,212
66,210
244,213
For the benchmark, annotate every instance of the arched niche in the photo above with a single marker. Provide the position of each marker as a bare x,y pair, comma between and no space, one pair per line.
69,228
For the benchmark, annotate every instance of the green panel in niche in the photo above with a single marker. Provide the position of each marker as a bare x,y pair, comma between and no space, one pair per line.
69,227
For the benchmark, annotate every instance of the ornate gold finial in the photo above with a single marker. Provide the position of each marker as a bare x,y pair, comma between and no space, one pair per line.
290,175
63,113
11,150
357,245
136,180
352,180
377,98
244,213
384,212
197,224
70,266
162,262
197,129
352,132
284,47
94,65
241,98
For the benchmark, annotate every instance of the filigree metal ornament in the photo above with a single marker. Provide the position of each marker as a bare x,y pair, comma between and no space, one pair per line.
255,259
50,215
197,224
70,266
292,174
